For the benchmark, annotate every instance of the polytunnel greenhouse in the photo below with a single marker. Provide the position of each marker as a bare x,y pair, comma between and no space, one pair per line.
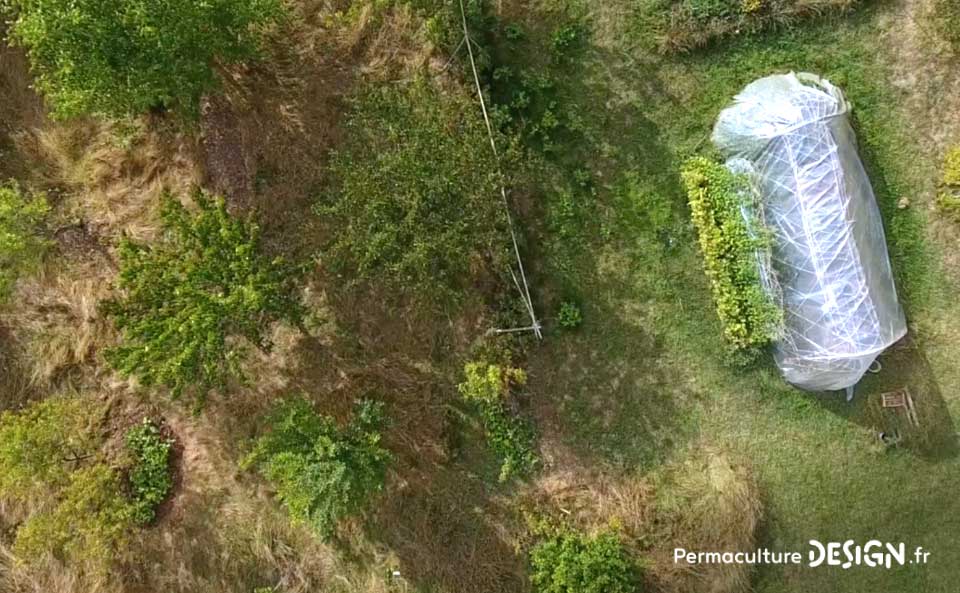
829,268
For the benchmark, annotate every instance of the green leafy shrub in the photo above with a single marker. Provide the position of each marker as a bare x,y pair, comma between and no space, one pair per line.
321,472
948,200
38,443
21,241
571,562
569,316
149,475
50,463
120,57
567,37
511,438
188,300
417,201
88,523
951,168
749,317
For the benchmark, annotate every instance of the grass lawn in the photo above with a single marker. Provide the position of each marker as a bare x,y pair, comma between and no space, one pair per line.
647,375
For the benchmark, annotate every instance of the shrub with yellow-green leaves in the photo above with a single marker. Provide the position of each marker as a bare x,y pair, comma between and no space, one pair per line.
52,465
749,316
488,387
948,200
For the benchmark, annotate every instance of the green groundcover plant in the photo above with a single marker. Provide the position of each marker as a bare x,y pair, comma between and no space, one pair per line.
191,302
121,57
149,474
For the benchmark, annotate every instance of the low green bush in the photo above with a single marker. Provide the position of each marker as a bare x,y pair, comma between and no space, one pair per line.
51,465
416,198
192,302
38,442
750,318
569,316
951,168
149,474
572,562
512,438
88,523
21,239
322,472
948,198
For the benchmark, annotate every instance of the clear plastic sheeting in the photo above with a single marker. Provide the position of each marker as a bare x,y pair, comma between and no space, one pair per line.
829,264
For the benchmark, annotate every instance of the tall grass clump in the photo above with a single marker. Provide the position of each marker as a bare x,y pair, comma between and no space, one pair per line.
21,238
712,499
691,24
947,17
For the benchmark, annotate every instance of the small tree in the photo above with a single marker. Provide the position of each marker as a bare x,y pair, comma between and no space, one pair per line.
189,301
322,472
120,57
21,242
571,562
416,199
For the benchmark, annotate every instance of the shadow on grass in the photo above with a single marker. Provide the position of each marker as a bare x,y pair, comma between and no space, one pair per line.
904,366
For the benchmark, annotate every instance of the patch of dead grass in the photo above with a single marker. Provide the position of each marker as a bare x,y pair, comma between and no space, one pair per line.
55,321
707,501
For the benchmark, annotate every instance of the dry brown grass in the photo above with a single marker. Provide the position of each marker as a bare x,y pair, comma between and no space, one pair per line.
111,173
594,500
47,576
708,501
55,322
